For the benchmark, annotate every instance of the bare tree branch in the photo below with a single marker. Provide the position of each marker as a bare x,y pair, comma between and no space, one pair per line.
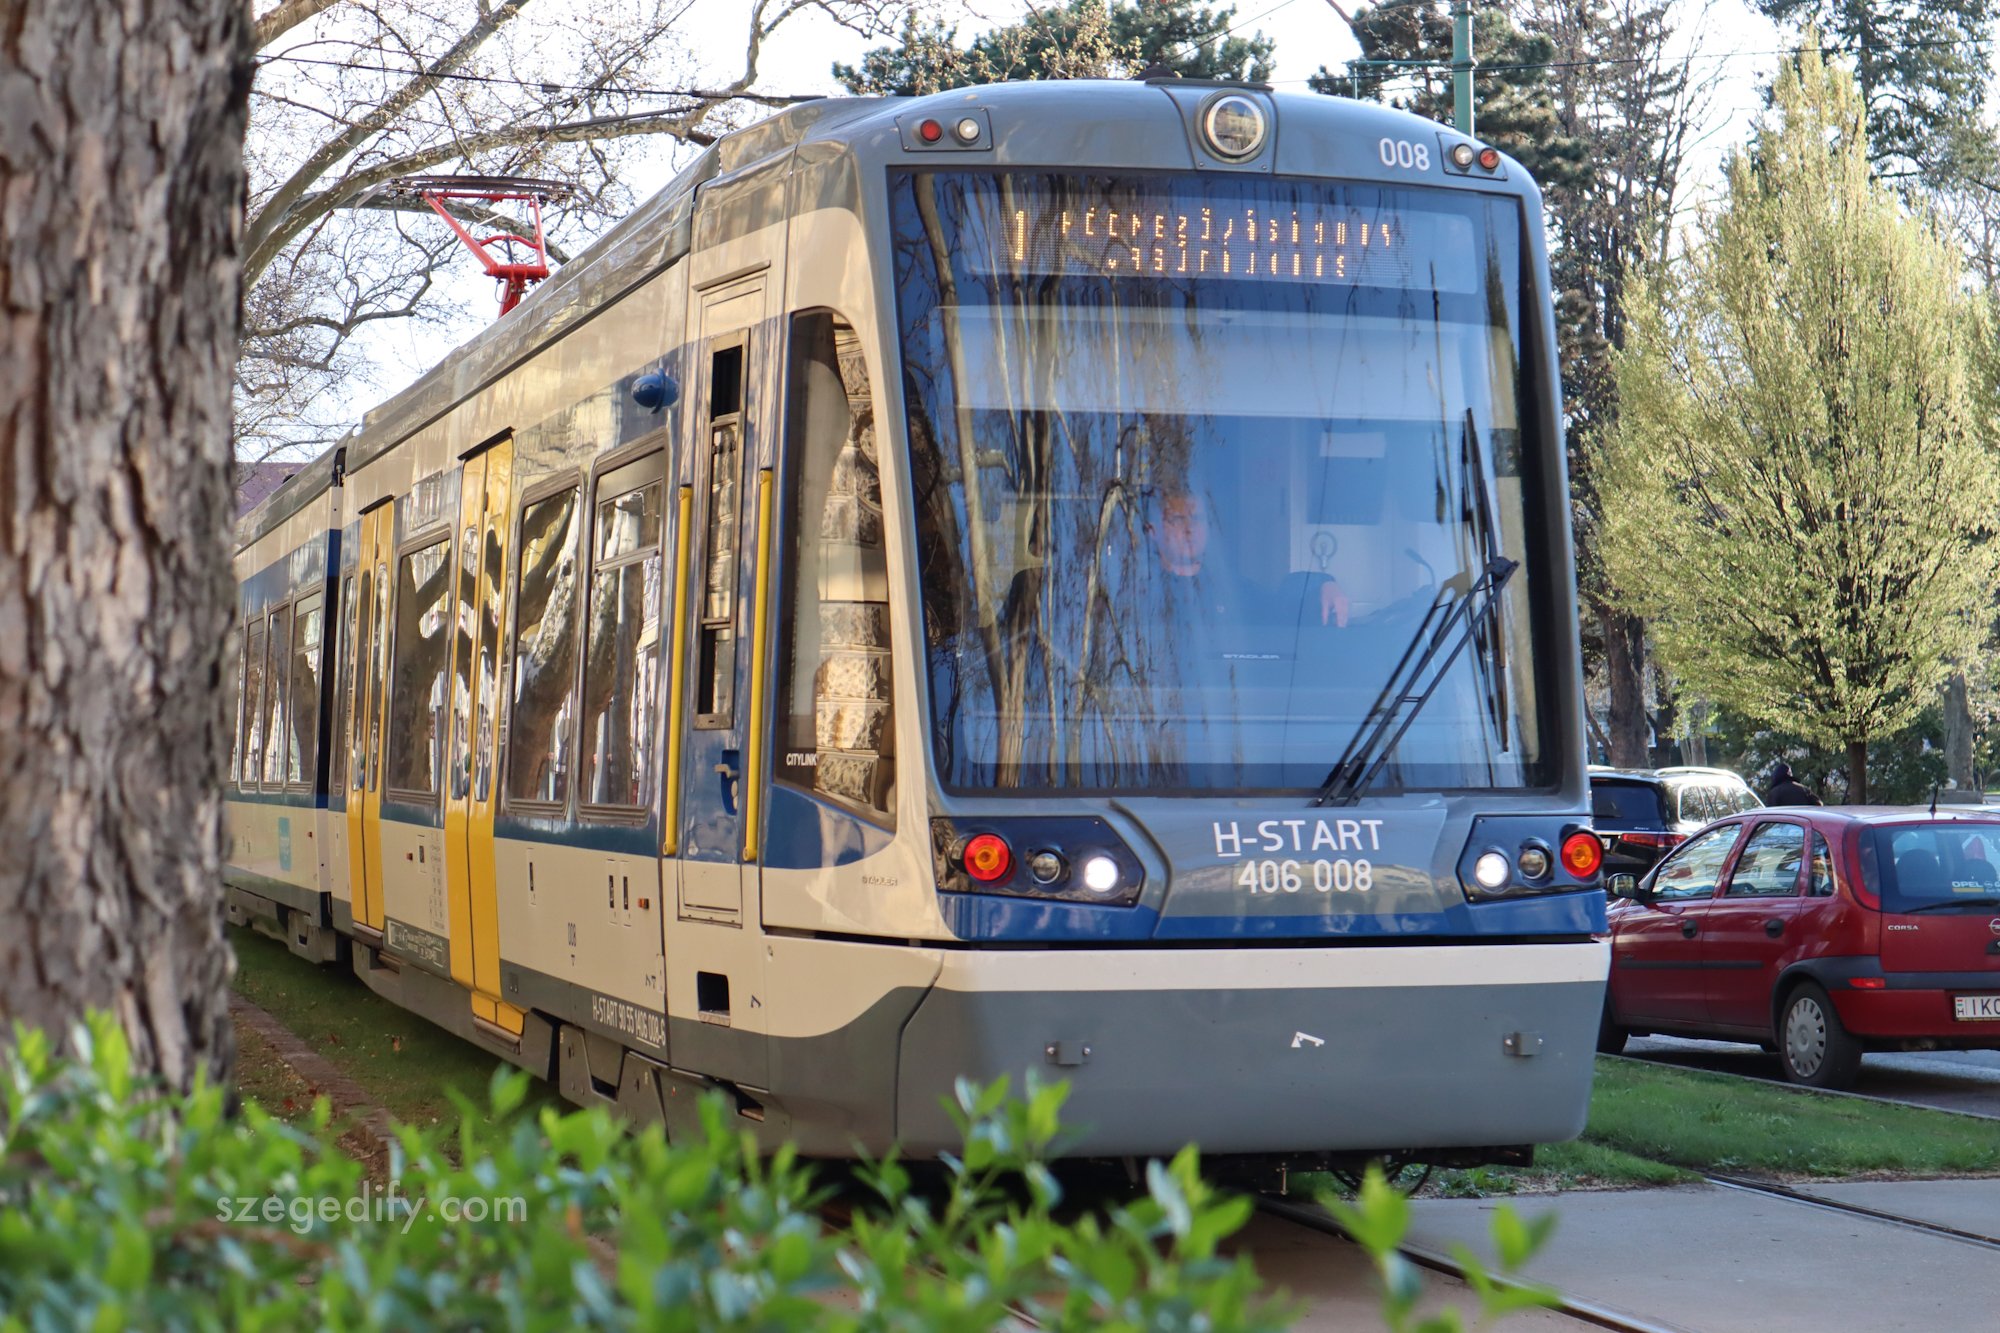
277,22
277,211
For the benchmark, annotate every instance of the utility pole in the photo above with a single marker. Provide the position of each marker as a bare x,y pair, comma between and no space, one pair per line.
1462,65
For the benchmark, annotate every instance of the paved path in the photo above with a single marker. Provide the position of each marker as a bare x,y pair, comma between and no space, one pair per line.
1714,1260
1337,1287
1967,1081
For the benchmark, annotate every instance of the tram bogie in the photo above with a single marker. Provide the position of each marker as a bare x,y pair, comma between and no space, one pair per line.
1090,594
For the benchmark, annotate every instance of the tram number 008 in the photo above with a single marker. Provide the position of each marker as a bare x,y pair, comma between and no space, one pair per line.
1340,875
1404,154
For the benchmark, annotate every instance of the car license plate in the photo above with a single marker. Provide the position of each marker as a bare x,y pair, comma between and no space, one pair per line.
1976,1006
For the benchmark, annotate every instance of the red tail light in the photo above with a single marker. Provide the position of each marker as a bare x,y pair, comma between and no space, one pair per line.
1581,854
1868,983
987,858
1660,840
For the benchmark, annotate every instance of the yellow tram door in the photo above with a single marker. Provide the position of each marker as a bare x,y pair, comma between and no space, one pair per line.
364,803
471,793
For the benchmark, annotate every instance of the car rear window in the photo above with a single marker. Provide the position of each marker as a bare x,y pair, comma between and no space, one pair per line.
1909,865
1625,805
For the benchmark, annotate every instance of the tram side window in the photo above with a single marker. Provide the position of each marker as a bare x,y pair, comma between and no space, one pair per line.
416,673
343,688
545,609
236,722
277,714
253,707
837,732
621,677
303,761
715,664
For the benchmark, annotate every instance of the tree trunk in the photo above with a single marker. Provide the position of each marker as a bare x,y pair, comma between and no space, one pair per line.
1958,731
1625,673
121,197
1857,773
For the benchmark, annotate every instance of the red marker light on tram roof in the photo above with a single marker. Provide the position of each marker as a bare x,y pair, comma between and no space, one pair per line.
1582,854
1489,159
930,131
986,857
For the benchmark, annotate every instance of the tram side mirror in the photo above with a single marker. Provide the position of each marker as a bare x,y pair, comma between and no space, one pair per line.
1622,886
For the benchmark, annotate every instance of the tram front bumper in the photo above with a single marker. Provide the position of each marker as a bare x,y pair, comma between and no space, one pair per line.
1261,1050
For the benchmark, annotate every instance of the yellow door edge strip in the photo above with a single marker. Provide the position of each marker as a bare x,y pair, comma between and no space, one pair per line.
677,677
753,754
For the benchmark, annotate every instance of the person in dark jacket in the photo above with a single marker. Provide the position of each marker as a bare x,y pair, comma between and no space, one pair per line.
1785,790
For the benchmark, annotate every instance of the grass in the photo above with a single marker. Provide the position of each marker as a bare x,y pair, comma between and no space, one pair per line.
1712,1122
1560,1166
263,1078
401,1061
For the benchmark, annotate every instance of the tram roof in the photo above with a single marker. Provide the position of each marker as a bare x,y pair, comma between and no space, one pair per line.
1044,123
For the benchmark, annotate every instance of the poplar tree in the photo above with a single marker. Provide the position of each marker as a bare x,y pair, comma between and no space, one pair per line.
1801,487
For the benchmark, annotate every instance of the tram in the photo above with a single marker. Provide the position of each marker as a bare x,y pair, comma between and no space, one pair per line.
1069,577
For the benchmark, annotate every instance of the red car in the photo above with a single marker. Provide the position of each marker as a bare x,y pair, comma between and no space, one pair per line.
1818,933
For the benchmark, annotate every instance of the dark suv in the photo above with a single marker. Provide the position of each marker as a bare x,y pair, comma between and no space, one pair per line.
1642,814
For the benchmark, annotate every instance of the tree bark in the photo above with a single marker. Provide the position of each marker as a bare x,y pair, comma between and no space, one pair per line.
1625,673
1857,773
121,198
1958,731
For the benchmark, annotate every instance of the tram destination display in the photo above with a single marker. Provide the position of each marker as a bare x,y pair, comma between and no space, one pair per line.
1282,233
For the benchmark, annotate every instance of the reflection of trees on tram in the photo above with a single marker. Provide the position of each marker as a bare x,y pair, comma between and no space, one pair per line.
1176,533
621,667
545,651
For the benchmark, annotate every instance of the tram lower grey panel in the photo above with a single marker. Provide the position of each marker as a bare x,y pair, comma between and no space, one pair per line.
1268,1071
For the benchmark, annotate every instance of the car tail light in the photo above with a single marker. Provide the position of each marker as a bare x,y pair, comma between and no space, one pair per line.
987,858
1581,855
1660,840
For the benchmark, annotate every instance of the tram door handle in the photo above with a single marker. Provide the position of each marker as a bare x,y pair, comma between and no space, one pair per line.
726,775
1688,929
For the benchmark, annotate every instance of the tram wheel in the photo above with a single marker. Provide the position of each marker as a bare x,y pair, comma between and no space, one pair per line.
1408,1177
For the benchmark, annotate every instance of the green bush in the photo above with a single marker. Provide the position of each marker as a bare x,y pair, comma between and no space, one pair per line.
121,1207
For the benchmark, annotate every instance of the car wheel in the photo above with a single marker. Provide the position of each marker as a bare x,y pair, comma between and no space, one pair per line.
1611,1038
1812,1045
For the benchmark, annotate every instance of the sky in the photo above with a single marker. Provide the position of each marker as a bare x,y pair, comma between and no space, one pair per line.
1735,43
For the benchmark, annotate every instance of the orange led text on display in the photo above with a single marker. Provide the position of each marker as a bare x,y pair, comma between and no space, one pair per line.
1314,246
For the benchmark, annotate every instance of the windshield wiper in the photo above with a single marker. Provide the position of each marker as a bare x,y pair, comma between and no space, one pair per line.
1448,626
1947,902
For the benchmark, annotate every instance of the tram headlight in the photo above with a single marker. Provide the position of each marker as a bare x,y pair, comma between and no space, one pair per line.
1100,874
1233,126
1533,860
1491,870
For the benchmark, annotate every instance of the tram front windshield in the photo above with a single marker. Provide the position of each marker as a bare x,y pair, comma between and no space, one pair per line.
1193,459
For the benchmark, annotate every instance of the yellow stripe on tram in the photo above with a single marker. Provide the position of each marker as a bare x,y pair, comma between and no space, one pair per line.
753,786
677,684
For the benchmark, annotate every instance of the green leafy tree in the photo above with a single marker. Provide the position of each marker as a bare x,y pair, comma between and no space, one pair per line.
1625,90
1923,67
1802,482
1406,61
1077,39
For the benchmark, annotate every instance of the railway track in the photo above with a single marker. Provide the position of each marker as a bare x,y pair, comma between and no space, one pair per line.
1313,1218
1772,1191
1597,1315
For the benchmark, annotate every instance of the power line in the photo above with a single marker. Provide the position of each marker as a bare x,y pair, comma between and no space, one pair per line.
551,88
1607,61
